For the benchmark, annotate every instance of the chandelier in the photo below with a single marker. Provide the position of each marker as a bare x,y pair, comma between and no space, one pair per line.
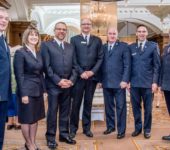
102,13
99,15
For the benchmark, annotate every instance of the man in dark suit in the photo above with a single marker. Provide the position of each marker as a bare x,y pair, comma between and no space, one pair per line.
115,73
89,57
5,73
144,79
60,75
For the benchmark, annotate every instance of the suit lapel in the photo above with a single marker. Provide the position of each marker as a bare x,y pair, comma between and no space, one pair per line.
114,48
65,46
30,53
90,40
137,48
56,46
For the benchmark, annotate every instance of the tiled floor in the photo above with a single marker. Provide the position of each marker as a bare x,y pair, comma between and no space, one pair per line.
160,127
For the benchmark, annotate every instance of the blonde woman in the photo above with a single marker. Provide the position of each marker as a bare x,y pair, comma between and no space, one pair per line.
28,69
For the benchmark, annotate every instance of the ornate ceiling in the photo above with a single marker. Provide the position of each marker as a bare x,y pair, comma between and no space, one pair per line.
153,13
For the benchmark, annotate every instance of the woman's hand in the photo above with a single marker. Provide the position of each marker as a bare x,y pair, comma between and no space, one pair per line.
25,100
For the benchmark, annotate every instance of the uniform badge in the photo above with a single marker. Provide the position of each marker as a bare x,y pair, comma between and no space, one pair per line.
83,42
133,54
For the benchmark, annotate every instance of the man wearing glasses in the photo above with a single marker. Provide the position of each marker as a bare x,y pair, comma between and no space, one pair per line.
145,68
60,75
89,56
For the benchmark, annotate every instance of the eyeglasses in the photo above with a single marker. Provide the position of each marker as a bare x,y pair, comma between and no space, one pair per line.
141,31
61,29
86,24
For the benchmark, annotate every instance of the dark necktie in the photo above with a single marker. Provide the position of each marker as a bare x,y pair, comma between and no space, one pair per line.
140,47
2,41
61,46
110,49
85,38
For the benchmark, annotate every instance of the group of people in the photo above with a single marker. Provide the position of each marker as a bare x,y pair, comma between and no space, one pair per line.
68,74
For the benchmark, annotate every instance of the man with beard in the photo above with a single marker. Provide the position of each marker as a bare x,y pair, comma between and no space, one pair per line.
60,76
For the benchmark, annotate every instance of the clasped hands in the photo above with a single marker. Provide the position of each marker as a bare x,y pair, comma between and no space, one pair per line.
86,75
65,83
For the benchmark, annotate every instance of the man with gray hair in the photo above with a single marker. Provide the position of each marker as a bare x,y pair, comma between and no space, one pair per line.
115,74
5,74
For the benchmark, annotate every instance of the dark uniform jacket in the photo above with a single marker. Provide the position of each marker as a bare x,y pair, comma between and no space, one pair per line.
145,65
5,72
116,65
88,56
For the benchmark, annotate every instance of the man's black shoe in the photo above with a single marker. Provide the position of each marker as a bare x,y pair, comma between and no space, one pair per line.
67,140
72,135
147,135
88,133
52,144
136,133
166,138
108,131
120,135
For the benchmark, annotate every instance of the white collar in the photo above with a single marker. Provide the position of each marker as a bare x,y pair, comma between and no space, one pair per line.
58,41
111,44
143,42
84,35
32,51
2,33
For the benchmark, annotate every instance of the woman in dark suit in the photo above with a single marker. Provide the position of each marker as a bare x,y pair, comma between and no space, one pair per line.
165,80
28,69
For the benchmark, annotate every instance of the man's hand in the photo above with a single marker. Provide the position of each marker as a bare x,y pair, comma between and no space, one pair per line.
89,73
69,84
154,87
123,85
25,99
64,83
84,75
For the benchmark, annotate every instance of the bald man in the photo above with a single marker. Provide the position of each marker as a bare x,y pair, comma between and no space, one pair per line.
115,72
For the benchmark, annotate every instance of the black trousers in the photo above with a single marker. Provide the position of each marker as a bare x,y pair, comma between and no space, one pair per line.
137,95
58,100
86,89
115,103
167,99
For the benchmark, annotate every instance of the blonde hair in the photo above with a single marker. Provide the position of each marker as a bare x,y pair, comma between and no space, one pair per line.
31,28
